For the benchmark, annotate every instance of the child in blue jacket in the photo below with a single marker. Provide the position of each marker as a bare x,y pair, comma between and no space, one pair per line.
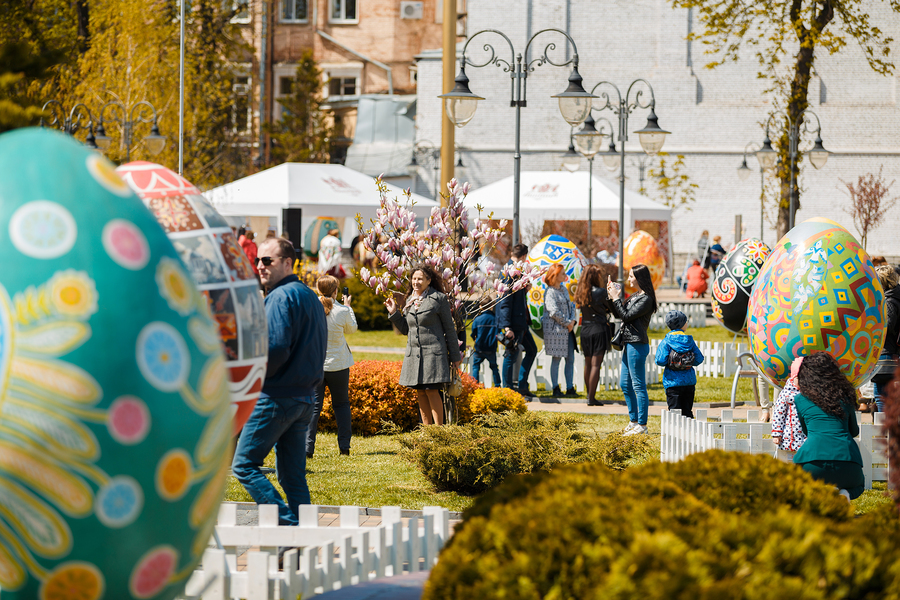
484,332
679,380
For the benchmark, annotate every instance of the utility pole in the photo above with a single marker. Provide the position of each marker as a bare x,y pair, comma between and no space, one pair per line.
448,132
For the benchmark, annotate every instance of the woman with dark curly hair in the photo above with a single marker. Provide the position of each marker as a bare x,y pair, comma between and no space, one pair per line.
432,347
591,297
827,406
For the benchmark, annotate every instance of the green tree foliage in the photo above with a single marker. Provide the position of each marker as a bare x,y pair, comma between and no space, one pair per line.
789,31
675,186
38,40
127,51
303,133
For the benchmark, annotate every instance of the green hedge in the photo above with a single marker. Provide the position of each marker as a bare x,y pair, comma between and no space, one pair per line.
716,525
474,457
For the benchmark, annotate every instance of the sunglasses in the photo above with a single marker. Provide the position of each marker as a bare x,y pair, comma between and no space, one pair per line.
267,260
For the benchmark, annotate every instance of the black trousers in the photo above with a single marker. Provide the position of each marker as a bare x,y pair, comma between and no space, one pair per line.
681,397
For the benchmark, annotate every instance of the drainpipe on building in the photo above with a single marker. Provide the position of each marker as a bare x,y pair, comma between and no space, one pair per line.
263,46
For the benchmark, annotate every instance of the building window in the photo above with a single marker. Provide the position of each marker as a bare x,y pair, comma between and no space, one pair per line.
343,11
241,111
342,86
294,11
285,86
240,9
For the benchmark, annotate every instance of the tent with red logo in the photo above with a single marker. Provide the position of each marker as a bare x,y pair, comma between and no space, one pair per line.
319,190
561,195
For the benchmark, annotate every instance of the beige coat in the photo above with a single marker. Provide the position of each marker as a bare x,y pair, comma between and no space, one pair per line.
431,340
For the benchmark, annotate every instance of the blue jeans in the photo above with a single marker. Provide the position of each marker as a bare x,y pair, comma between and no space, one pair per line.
478,357
524,339
569,369
879,396
279,423
633,381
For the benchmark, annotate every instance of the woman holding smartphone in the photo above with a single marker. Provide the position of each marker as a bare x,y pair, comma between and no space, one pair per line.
341,321
635,314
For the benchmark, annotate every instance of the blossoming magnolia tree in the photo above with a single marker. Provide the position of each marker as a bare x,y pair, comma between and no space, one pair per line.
446,244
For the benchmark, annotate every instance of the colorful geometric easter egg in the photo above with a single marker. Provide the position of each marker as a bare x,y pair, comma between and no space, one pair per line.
221,271
817,291
552,249
641,248
733,282
114,412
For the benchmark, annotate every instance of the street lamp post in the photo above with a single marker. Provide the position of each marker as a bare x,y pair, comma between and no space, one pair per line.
589,141
72,122
119,114
652,138
574,102
744,173
818,155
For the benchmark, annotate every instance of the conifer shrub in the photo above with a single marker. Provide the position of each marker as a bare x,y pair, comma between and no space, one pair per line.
472,458
670,530
496,400
376,395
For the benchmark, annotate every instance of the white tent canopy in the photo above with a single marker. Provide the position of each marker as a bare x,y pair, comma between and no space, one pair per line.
320,190
563,195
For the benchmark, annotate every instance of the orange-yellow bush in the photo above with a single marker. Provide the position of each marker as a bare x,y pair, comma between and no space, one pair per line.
376,395
495,400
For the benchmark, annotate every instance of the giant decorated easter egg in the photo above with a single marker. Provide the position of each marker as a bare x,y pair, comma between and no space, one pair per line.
220,269
733,282
552,249
114,412
817,291
642,249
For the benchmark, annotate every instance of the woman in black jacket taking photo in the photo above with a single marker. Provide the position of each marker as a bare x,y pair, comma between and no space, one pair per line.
592,299
635,314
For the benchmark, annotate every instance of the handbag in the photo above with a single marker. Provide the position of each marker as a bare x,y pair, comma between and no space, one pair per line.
455,387
617,341
885,369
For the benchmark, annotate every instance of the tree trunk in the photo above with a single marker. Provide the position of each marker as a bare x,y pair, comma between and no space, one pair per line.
81,15
796,104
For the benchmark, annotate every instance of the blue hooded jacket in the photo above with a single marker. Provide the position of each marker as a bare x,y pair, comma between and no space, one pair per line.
680,342
484,332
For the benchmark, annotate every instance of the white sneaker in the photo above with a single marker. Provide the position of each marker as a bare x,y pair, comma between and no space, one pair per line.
629,428
845,494
637,430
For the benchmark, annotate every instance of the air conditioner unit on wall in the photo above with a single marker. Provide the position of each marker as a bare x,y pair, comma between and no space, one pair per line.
411,10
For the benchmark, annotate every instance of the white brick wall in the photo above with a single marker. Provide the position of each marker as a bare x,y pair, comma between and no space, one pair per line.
620,40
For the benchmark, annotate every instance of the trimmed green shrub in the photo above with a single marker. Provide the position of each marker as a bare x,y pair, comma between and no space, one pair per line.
670,530
367,306
376,395
475,457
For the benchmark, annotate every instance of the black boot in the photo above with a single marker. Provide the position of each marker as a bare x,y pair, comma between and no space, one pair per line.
557,393
571,393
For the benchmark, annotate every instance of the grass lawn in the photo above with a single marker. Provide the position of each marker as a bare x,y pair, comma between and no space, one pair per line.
709,389
375,474
394,340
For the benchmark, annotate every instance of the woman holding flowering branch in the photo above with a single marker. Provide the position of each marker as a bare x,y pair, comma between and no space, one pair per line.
431,346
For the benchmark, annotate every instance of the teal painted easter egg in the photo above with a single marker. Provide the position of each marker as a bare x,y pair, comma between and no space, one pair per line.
817,291
552,249
114,407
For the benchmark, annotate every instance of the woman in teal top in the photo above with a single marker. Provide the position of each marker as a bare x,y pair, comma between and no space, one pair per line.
826,406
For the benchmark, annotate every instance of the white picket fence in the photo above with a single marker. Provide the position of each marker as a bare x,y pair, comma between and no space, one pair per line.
330,557
682,436
695,312
719,360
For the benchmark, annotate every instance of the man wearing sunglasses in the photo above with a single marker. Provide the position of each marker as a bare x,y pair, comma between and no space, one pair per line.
297,339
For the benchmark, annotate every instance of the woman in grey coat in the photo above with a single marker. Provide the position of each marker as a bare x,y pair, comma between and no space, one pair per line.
558,322
431,342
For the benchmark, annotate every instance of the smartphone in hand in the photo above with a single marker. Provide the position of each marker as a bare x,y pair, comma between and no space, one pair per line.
346,291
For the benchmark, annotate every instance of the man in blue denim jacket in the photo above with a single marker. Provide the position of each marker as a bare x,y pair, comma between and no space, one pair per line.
297,340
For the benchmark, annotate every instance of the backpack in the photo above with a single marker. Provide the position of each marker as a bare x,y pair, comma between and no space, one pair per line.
681,361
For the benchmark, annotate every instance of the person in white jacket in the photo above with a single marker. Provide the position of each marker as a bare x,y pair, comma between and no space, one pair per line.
341,321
